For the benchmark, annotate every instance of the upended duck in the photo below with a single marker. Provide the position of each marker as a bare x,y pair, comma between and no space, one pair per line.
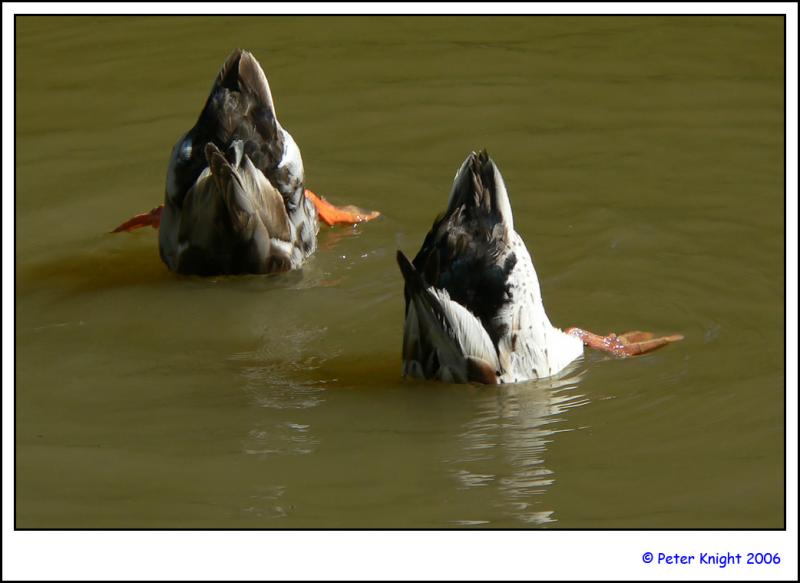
473,307
235,198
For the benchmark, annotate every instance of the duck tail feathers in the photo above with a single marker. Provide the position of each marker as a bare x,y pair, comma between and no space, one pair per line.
252,80
241,92
242,72
442,339
479,189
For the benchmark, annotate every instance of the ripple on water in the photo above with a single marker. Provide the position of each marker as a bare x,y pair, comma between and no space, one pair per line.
266,503
276,374
469,522
283,438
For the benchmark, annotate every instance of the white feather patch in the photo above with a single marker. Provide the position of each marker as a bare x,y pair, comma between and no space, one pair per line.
532,347
503,202
468,330
291,158
283,246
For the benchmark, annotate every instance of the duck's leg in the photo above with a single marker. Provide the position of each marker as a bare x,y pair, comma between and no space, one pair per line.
624,345
152,219
344,215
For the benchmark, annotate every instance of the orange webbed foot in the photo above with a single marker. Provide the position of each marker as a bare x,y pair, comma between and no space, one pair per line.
631,343
345,215
152,219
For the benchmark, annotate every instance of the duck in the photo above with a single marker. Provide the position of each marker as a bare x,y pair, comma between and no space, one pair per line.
473,303
235,199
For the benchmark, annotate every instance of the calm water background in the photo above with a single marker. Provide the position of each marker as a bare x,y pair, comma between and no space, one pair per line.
644,158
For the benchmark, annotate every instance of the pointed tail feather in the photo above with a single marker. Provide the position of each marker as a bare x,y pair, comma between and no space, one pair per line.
229,72
479,189
252,80
240,91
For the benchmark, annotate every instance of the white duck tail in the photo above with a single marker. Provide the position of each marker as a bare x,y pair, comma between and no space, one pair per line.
474,310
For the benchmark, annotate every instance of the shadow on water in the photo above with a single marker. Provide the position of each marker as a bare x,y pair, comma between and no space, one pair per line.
100,263
115,261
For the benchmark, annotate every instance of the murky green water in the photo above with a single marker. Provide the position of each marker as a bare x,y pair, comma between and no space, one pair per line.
644,157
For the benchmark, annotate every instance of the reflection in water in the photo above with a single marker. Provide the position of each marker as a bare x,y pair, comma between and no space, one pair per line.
511,430
277,377
274,377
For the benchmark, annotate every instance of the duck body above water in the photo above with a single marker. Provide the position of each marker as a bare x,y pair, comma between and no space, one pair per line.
235,196
473,305
474,309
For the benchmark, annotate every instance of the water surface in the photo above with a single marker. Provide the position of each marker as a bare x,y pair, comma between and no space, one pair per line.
644,158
